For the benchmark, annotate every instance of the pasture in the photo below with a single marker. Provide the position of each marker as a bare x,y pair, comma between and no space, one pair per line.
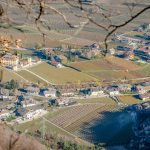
60,75
9,75
30,77
129,100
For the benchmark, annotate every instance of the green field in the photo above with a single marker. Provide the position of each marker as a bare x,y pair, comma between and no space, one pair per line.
60,75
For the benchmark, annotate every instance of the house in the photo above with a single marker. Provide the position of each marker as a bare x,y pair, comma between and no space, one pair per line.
96,91
32,90
52,102
4,115
63,101
56,64
143,88
67,92
6,97
20,111
124,87
9,60
48,52
25,62
36,59
111,51
112,91
144,96
28,101
49,93
85,92
143,52
34,114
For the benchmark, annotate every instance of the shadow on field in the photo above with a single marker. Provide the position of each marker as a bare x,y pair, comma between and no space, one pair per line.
110,128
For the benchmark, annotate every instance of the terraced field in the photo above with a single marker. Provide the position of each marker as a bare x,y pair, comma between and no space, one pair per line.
76,113
60,75
77,125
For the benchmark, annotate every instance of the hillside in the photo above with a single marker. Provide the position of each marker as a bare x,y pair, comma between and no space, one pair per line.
9,140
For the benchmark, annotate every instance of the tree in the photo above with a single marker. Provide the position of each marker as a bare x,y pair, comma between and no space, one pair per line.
13,85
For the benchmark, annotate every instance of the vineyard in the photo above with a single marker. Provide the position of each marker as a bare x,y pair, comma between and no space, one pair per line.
74,114
109,63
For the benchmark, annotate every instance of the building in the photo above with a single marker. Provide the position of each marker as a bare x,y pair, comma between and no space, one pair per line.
113,91
65,101
9,60
4,115
25,62
33,114
97,91
56,64
32,90
49,93
143,53
124,87
143,88
67,92
144,96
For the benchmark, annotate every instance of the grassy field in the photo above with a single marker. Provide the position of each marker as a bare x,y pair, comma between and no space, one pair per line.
60,76
144,71
30,77
110,68
9,75
104,100
129,100
112,75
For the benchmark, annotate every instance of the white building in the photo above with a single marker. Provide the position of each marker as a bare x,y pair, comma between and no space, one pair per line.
50,93
34,114
97,92
4,115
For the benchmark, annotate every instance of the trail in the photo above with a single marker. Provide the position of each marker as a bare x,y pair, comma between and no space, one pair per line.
38,76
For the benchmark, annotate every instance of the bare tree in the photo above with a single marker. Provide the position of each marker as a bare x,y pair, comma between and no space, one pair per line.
35,11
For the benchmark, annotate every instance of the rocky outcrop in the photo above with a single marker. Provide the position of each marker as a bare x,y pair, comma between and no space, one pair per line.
10,140
141,127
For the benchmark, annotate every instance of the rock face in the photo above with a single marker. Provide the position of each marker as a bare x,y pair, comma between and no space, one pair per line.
141,128
10,140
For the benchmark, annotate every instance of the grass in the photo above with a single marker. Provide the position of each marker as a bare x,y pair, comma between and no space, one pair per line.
112,75
60,75
144,71
30,77
112,68
9,75
97,100
107,63
129,100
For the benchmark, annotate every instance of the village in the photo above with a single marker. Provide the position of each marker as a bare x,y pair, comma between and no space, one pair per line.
31,100
24,106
